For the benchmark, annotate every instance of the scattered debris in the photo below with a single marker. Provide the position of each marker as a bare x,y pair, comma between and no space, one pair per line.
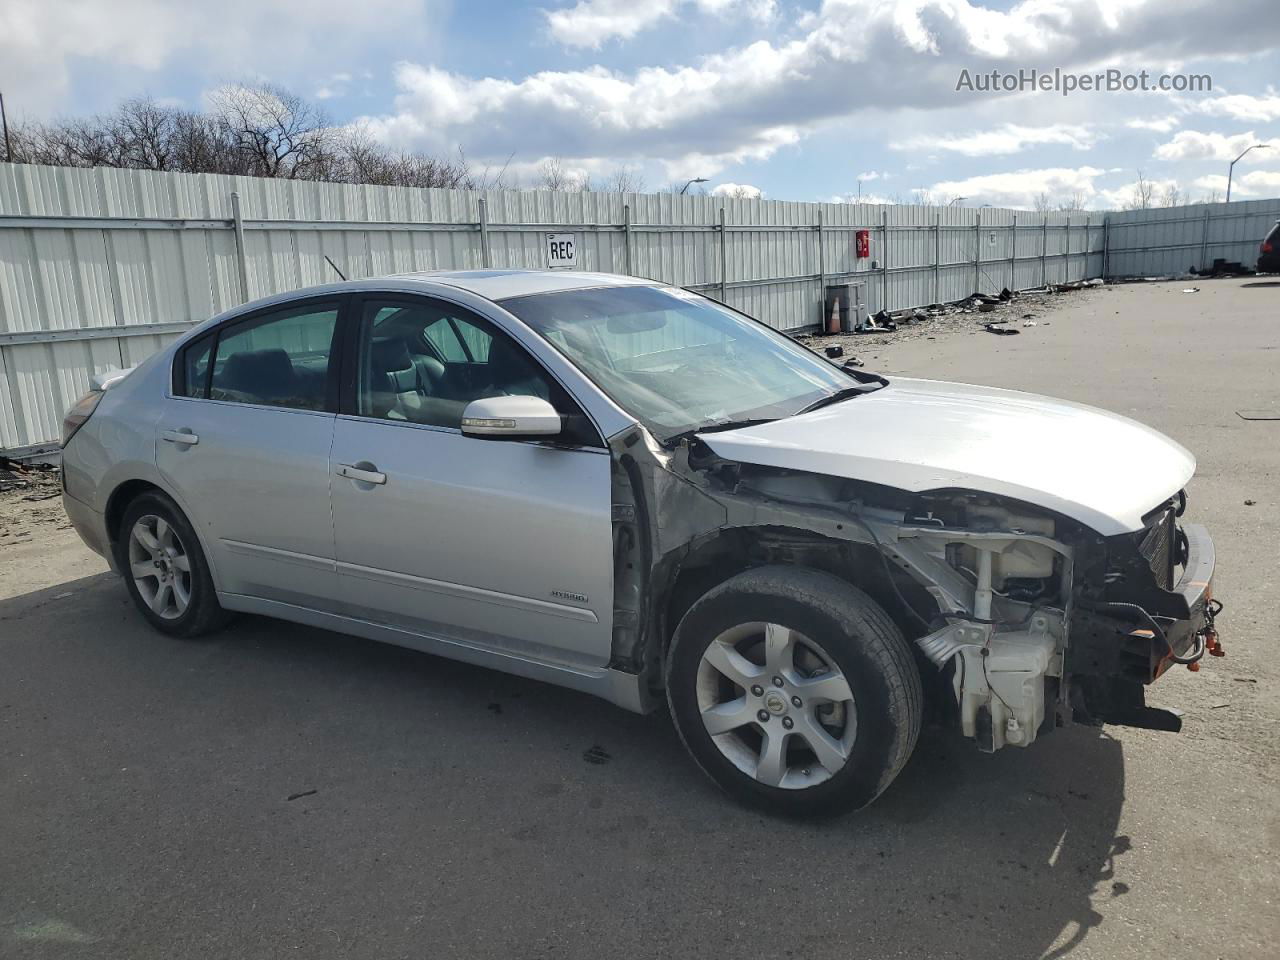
1223,268
986,308
1244,679
1002,331
1191,290
852,362
298,796
1251,503
597,754
833,352
1028,323
1220,704
1258,414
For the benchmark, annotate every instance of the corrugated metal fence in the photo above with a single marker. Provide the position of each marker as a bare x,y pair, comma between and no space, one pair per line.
1174,240
100,267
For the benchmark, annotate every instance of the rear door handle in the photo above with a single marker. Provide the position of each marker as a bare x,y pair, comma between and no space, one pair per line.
352,472
180,436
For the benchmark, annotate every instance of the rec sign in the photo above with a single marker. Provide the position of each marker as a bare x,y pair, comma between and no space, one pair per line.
562,250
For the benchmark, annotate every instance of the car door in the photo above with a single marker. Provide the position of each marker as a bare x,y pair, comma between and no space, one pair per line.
500,544
244,442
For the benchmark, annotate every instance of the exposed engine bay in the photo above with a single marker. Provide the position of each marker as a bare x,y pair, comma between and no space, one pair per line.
1025,619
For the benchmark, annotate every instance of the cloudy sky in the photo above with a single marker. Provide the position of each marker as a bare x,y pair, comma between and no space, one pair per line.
801,100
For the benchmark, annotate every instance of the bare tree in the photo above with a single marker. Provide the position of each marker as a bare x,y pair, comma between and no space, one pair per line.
1143,194
1072,202
1172,196
1042,204
554,175
279,133
624,179
923,198
1212,196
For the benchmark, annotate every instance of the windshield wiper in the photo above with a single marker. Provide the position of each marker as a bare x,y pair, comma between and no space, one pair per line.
844,393
716,426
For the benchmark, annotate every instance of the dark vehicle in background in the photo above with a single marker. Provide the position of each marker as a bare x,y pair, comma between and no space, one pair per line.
1269,252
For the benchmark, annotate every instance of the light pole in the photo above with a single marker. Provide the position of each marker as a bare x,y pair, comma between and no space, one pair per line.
685,188
1232,168
955,200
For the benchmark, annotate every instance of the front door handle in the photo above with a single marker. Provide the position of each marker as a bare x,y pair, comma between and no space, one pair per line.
354,472
185,437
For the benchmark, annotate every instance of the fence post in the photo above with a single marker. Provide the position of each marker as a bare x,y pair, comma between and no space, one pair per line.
724,260
977,252
1013,255
884,260
242,262
483,204
937,257
626,239
1088,244
1106,247
822,273
1044,250
1204,240
1066,260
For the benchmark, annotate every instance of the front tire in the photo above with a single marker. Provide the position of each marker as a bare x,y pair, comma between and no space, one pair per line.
794,691
165,570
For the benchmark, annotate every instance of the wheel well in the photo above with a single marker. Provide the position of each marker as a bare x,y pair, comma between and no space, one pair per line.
712,561
119,501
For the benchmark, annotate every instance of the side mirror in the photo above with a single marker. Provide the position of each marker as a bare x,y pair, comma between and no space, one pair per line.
510,418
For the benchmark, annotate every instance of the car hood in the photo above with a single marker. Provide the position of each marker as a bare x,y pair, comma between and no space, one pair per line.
1096,467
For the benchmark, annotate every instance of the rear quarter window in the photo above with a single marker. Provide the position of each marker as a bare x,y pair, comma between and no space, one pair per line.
192,374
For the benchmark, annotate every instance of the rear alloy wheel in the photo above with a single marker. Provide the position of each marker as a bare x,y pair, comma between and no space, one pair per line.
160,567
794,691
165,570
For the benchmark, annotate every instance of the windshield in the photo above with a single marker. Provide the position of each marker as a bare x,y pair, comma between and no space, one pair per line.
677,361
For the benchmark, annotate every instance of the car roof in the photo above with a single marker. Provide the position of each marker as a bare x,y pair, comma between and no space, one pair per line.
502,284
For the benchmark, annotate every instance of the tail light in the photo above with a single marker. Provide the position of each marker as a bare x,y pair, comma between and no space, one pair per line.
78,414
1266,247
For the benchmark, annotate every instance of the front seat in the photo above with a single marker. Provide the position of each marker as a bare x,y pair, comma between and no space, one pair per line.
512,373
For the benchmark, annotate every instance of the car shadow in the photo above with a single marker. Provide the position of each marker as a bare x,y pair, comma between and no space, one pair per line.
1262,283
307,781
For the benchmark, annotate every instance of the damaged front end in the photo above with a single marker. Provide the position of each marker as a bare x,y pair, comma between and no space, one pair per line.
1027,619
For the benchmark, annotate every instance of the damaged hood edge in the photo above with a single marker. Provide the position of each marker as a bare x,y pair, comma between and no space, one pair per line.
1101,469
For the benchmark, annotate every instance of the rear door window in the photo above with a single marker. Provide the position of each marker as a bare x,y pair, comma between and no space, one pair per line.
276,359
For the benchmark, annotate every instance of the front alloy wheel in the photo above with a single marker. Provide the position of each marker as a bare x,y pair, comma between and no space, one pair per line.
794,691
776,706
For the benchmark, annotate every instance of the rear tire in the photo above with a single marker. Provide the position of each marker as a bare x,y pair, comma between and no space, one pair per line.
164,568
794,691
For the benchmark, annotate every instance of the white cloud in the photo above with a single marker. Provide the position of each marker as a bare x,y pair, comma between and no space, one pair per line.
41,40
1157,124
590,23
335,86
749,102
1255,183
1196,145
737,190
1243,107
1009,138
1020,188
873,175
